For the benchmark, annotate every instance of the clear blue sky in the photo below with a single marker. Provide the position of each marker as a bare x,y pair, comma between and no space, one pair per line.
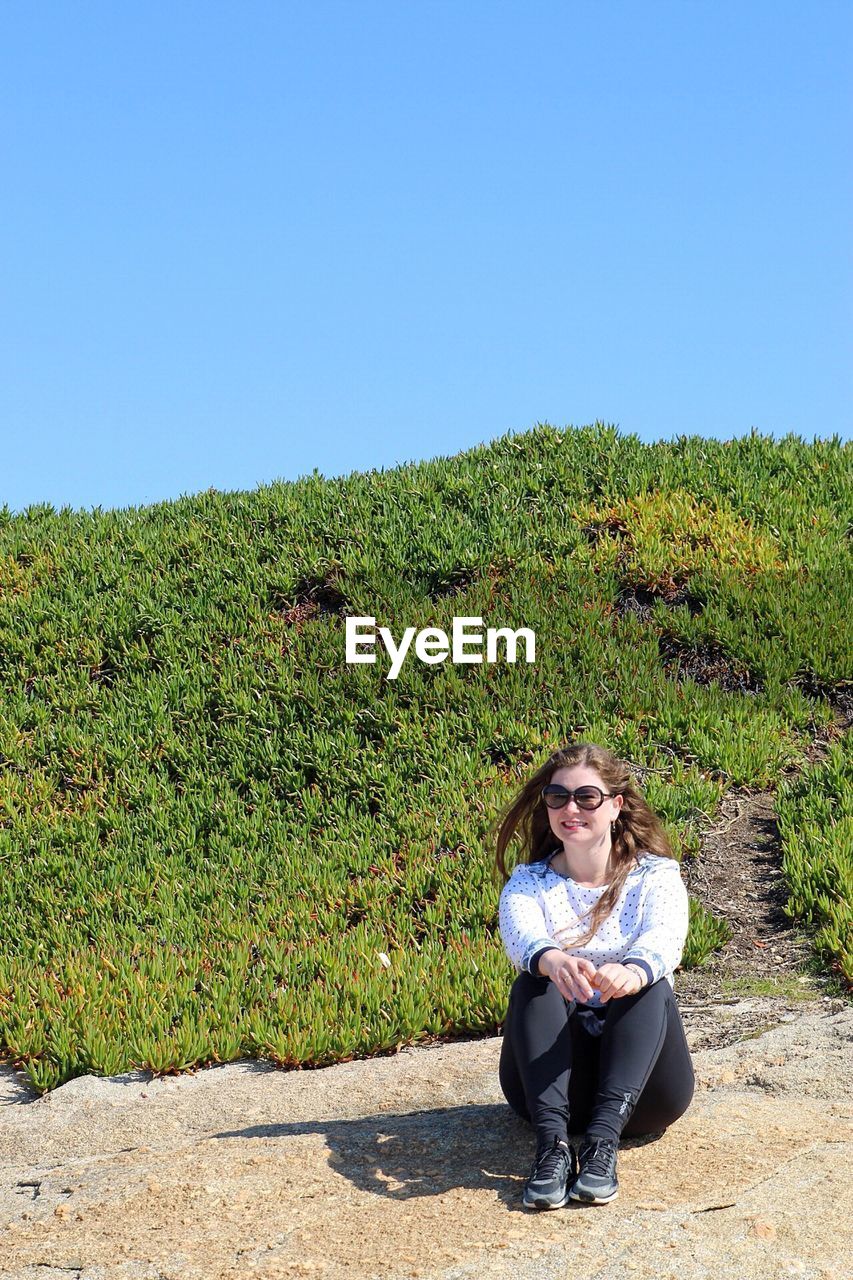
241,241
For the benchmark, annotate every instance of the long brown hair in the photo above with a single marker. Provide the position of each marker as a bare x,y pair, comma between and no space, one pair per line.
638,829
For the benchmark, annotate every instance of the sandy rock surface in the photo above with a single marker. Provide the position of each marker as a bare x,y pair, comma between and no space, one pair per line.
413,1165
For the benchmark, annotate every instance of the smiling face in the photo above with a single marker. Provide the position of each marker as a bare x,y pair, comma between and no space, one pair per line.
577,828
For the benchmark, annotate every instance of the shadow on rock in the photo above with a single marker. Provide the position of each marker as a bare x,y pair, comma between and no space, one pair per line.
424,1153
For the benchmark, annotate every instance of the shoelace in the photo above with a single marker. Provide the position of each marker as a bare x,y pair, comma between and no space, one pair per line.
548,1161
598,1158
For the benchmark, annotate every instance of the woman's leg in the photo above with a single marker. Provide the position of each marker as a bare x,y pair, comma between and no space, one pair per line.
536,1056
583,1081
583,1077
645,1074
668,1091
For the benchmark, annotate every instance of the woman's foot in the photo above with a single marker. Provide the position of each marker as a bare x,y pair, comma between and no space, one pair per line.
596,1183
552,1174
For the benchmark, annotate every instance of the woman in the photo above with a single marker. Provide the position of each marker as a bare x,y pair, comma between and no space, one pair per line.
594,920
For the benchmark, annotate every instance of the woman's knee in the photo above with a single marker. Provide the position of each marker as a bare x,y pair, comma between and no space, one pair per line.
646,1007
655,994
532,990
529,983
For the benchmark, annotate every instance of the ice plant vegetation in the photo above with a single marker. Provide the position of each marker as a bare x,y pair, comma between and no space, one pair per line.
218,838
815,814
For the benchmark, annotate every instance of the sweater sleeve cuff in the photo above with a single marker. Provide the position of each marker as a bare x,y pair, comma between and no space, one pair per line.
534,951
535,958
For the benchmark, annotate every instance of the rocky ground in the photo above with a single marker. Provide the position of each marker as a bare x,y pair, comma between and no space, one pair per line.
413,1165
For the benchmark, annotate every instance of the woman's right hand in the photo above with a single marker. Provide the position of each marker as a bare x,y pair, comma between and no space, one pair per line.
569,974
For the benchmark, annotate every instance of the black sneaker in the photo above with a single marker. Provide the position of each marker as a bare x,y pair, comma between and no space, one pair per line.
552,1173
597,1182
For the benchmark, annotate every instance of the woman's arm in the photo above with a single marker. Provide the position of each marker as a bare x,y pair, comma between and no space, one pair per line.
657,949
522,923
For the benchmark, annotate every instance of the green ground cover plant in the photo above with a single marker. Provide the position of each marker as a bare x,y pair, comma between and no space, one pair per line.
815,816
219,840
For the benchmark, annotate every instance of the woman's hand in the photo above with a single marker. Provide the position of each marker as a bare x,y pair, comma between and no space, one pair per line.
615,980
571,975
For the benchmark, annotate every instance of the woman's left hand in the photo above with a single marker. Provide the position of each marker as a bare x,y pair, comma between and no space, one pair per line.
615,980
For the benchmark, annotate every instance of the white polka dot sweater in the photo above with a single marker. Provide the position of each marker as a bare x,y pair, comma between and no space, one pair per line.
648,926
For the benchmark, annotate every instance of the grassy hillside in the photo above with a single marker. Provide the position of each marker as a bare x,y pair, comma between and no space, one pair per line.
218,839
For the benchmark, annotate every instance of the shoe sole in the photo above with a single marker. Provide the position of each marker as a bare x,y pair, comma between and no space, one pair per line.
587,1198
545,1204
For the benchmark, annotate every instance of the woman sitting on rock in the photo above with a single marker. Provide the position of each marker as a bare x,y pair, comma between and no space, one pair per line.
594,919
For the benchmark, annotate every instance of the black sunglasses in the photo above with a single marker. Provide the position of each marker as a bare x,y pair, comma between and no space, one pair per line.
585,797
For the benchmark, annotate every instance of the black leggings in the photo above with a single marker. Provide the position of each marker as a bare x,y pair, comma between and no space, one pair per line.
635,1078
